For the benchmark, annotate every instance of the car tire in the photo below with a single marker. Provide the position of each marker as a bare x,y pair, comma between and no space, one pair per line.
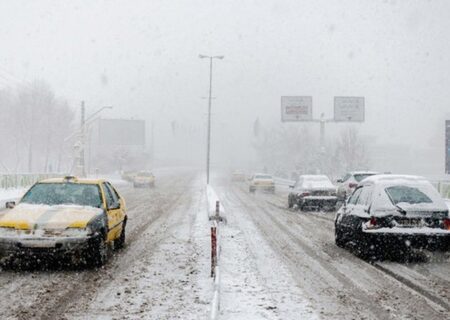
97,252
119,243
339,237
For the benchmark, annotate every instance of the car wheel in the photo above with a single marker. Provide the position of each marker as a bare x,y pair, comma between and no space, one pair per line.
98,252
339,237
119,243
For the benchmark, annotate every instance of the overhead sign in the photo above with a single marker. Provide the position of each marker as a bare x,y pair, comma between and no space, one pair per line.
447,146
296,108
349,109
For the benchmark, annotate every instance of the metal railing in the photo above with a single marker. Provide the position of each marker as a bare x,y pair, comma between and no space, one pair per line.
21,180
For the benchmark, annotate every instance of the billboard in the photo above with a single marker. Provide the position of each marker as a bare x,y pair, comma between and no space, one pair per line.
120,132
447,146
349,109
296,108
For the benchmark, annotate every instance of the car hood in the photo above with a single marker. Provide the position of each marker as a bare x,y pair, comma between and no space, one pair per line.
29,216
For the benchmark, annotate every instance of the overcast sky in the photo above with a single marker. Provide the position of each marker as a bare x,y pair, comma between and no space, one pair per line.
142,58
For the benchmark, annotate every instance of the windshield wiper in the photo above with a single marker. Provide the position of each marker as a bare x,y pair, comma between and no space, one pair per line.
401,210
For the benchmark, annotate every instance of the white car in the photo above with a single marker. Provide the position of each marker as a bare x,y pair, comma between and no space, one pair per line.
262,181
350,181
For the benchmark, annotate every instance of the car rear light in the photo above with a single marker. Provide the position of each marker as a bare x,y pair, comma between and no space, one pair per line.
371,224
352,185
304,194
446,223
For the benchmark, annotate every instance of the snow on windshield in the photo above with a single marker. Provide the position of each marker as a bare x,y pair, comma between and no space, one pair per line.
315,182
64,193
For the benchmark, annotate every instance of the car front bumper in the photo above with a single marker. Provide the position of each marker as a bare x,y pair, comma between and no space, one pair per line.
30,246
266,187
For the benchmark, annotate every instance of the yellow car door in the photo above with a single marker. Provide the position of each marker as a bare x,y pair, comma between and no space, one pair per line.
114,212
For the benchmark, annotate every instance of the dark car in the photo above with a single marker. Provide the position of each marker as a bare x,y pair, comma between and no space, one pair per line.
393,212
313,191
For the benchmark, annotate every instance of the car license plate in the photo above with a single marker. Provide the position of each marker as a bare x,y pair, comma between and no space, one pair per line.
409,223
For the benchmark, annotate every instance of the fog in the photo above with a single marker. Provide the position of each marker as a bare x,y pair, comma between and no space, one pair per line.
142,58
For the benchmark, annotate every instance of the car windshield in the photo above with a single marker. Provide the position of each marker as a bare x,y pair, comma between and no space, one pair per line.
361,176
145,174
64,193
261,176
317,182
407,194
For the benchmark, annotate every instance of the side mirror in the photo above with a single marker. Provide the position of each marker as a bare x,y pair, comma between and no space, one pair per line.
10,204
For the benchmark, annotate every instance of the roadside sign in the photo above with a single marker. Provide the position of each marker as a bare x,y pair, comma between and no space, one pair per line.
447,146
296,108
349,109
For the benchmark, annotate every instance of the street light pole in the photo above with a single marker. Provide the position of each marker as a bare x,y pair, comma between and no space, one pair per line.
208,142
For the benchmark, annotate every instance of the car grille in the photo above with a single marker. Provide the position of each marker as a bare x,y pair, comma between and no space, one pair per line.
321,193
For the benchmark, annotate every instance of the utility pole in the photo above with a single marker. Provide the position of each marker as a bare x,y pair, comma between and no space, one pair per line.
83,140
208,142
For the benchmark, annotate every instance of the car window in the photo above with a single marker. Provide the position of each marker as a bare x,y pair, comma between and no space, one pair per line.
113,192
354,198
108,196
364,196
362,176
64,193
407,194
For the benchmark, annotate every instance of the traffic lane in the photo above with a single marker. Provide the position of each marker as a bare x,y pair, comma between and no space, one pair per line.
423,269
351,277
36,292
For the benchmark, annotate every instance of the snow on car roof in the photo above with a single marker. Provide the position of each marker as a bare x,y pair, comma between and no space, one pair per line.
392,178
364,172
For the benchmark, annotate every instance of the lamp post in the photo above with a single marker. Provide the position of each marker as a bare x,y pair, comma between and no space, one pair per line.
208,143
84,122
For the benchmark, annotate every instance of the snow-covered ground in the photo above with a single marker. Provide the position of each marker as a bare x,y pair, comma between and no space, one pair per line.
275,263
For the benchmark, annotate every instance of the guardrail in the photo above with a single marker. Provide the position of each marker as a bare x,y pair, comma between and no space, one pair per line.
21,180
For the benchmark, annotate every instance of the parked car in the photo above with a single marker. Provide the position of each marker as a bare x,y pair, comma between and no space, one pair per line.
350,181
144,179
313,191
262,181
64,217
393,211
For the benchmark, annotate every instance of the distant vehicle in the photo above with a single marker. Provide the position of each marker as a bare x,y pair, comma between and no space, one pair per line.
262,181
144,179
128,175
238,176
58,217
350,181
313,191
391,212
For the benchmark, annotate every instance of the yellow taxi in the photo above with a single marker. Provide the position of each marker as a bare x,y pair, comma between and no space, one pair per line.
144,179
65,216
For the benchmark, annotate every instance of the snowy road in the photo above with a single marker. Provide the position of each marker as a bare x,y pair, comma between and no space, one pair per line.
275,264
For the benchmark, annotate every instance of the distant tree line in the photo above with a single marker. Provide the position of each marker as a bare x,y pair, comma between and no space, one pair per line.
288,149
34,127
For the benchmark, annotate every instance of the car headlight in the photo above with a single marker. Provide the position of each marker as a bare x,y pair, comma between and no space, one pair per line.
7,232
76,232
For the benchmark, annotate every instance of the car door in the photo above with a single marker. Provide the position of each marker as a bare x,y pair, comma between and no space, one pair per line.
347,220
113,212
121,214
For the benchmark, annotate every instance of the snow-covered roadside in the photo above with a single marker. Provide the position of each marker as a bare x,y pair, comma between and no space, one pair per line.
12,194
255,283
